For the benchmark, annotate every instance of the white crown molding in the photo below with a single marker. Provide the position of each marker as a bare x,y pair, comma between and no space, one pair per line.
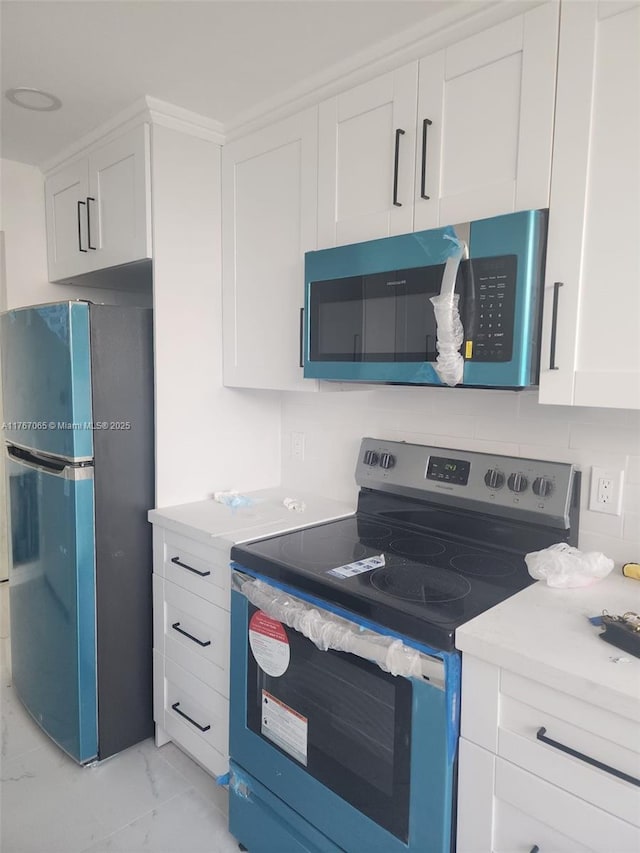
462,19
146,108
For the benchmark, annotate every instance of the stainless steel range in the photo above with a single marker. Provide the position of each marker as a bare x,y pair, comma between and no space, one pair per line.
353,758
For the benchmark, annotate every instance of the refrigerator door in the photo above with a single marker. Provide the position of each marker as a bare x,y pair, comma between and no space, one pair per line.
52,599
46,379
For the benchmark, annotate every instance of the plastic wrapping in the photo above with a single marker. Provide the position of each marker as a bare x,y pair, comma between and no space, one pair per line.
449,364
294,504
329,631
565,567
233,499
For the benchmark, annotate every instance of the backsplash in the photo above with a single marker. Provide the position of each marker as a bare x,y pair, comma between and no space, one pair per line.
512,423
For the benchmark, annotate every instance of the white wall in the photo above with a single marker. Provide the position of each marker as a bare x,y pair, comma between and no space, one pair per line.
493,421
208,438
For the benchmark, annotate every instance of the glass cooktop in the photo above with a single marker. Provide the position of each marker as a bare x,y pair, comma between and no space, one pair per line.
420,584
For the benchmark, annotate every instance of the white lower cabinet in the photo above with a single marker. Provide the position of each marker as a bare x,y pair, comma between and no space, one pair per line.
542,771
191,647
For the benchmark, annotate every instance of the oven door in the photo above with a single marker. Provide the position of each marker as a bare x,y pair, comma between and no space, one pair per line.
340,751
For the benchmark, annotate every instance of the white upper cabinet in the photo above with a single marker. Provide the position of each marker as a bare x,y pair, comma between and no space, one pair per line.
590,345
269,203
485,122
66,195
98,207
366,149
478,145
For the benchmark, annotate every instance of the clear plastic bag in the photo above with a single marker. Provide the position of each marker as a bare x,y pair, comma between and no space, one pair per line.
564,567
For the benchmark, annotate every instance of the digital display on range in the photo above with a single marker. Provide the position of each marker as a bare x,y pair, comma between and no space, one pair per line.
448,470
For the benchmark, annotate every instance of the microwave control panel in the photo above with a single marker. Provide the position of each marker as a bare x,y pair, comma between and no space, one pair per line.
494,281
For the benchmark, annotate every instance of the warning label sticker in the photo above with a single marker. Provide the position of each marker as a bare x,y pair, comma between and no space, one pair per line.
269,644
284,727
357,568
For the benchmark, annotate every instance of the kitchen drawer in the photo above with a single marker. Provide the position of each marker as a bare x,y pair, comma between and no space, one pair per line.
526,707
177,693
565,822
192,632
198,568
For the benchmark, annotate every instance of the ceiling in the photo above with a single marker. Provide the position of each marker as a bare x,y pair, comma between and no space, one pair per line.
219,58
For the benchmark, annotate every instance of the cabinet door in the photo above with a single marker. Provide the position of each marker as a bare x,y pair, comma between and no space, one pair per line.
269,196
119,203
65,201
489,100
359,135
590,344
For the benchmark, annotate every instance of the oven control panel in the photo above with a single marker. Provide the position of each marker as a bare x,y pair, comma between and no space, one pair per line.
528,489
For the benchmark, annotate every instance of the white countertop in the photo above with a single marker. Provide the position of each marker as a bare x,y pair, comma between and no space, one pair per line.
209,521
544,634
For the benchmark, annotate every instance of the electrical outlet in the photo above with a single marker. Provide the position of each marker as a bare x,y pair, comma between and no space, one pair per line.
297,445
606,491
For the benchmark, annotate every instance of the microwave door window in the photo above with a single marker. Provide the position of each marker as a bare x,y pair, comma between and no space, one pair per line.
340,330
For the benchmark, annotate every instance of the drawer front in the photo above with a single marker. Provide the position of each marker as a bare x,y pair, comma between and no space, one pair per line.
567,819
518,832
531,714
201,569
192,714
192,632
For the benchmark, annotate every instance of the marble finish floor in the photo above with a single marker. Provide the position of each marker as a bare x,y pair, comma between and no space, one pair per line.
143,800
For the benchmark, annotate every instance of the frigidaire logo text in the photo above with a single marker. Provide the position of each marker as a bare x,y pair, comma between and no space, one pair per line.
404,281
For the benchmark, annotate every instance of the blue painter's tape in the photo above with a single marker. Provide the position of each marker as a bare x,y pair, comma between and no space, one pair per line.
453,675
223,780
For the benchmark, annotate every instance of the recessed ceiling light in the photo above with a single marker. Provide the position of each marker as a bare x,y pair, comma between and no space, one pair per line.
33,99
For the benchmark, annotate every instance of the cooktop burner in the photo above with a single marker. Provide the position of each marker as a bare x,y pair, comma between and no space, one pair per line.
417,584
438,538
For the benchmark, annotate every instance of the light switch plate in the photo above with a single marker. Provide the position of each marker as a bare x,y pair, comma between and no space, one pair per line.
605,494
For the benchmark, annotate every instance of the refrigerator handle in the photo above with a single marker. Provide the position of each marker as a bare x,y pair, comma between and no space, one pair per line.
48,465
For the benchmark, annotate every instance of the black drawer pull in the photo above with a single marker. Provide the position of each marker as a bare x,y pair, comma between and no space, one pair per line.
535,849
396,158
554,325
80,204
176,708
423,176
89,198
176,560
586,758
176,627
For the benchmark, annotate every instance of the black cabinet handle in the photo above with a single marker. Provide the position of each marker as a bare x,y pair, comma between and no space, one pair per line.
399,133
80,228
423,179
176,560
301,337
554,325
176,708
541,735
89,198
176,627
535,849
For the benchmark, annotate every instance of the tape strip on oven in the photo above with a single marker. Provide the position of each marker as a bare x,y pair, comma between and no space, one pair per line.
330,631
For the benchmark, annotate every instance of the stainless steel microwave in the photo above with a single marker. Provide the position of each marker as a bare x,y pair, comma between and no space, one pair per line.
369,316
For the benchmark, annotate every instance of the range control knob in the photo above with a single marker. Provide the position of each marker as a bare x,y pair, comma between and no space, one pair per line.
542,486
387,461
371,457
517,483
494,479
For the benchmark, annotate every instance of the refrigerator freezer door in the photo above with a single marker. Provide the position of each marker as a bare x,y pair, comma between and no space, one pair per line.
46,379
52,600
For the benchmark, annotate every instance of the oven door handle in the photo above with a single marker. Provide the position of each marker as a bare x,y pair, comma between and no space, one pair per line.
331,631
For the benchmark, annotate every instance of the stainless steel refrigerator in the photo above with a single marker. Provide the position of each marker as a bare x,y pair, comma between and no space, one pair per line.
77,384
